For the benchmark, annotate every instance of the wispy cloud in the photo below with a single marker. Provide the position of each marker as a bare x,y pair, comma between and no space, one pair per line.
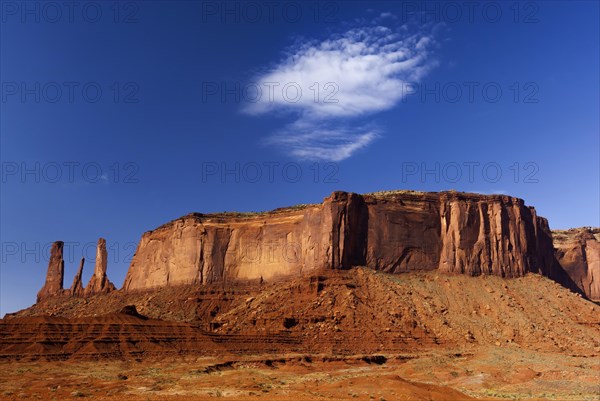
328,84
305,139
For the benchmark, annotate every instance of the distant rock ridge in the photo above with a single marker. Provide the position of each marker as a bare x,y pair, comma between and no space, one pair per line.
392,231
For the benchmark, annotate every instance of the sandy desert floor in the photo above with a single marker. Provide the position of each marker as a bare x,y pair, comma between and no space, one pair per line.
485,373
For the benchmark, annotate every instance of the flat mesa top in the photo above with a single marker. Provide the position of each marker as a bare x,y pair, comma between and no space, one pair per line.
372,196
242,215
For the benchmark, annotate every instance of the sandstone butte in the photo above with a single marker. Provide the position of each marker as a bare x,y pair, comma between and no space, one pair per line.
392,231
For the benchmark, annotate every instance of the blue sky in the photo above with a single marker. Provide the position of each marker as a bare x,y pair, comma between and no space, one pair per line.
118,117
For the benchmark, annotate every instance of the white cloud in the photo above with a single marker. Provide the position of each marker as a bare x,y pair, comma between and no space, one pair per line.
360,72
305,140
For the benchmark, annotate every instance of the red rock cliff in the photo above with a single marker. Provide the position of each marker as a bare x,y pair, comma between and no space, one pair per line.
578,252
395,232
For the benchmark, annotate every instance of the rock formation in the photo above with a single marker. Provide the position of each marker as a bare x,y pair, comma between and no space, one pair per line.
77,288
395,232
99,283
55,274
578,251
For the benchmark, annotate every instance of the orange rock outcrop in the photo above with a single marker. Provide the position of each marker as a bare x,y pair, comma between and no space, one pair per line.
397,231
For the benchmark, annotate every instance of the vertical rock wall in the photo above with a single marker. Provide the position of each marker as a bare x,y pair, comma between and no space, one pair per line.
393,232
578,251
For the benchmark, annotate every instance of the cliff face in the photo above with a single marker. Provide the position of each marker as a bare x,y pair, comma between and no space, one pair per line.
197,249
578,251
394,232
461,233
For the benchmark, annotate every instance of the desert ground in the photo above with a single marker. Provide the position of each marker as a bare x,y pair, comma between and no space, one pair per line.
347,335
483,373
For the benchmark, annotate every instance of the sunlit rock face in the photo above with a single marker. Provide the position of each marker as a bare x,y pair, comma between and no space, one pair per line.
55,274
578,251
396,231
99,283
